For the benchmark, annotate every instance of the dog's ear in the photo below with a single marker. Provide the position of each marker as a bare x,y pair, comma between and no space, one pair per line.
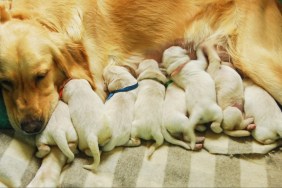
153,74
131,71
72,59
4,14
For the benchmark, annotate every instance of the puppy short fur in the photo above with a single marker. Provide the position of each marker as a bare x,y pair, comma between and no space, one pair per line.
59,131
120,107
230,95
199,88
149,104
175,118
267,115
88,117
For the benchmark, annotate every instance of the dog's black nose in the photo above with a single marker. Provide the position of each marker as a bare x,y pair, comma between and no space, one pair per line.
32,127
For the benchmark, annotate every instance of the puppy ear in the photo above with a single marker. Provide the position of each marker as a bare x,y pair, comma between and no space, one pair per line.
131,71
152,74
4,14
72,59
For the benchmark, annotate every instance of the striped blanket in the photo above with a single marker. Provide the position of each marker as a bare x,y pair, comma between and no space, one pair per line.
170,166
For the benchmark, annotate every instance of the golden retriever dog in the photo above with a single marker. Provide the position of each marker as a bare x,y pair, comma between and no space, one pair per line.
45,42
59,131
229,95
174,119
87,112
199,87
148,107
265,111
119,106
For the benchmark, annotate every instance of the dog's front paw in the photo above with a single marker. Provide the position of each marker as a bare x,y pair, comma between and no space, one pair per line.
215,127
43,150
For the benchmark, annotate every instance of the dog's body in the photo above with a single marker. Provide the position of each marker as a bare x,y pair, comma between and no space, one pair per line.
199,88
175,118
266,113
89,120
149,104
230,95
120,107
75,29
59,131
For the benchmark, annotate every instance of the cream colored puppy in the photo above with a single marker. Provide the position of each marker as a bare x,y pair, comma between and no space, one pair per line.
59,131
149,104
87,114
267,115
230,95
175,117
199,88
119,106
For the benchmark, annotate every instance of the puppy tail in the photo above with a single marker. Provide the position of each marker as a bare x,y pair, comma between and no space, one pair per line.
174,141
190,130
61,139
237,133
94,148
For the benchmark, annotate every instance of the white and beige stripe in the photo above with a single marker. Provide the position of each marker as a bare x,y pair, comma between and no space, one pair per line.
170,166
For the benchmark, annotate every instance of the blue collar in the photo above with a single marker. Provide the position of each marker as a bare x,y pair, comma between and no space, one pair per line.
128,88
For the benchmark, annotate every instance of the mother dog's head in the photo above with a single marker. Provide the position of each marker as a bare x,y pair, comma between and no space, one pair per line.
34,63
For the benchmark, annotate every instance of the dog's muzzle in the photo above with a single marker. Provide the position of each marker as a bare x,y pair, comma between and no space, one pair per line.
32,127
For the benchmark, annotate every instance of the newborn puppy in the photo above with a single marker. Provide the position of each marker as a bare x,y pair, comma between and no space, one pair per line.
119,106
59,131
175,117
266,113
230,95
199,88
87,114
149,104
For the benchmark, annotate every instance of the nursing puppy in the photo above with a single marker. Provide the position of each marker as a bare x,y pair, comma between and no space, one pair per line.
230,95
149,104
87,114
199,88
175,117
59,131
119,106
260,105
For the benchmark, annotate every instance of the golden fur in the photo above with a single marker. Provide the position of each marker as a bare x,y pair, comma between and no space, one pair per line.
78,33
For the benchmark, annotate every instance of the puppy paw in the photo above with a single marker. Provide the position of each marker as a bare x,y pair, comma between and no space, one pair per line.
198,147
200,139
215,127
201,128
43,150
251,127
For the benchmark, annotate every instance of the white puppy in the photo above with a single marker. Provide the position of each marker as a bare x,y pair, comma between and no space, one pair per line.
230,95
266,113
119,106
175,117
199,88
87,114
59,131
149,104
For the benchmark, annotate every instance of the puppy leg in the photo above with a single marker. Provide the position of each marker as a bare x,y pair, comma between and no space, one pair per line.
133,142
43,150
158,137
201,128
49,172
216,124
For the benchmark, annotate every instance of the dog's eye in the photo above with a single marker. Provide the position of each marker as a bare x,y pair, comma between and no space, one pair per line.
6,84
40,77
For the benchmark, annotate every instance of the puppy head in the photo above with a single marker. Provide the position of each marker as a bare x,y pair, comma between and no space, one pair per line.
117,77
149,69
74,85
173,57
34,62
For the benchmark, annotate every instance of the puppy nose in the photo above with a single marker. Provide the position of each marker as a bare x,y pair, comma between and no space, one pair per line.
32,127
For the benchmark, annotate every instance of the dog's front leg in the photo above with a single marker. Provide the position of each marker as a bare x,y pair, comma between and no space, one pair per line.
49,172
